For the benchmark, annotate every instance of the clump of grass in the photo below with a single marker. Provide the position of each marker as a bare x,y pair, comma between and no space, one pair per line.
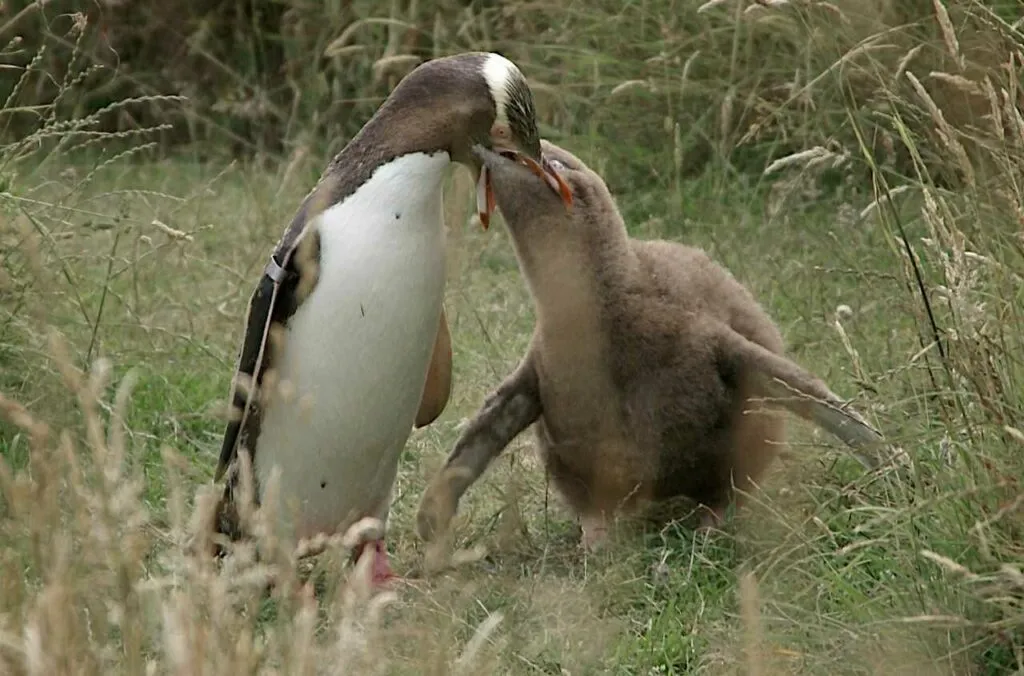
901,285
43,199
951,225
94,584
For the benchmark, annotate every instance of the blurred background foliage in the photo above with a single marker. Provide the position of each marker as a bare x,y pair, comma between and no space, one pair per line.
667,88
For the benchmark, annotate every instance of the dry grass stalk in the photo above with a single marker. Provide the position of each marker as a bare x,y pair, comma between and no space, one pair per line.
711,4
809,159
946,133
750,613
948,33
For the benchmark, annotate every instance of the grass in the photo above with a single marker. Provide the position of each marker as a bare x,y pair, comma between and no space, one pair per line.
838,559
124,276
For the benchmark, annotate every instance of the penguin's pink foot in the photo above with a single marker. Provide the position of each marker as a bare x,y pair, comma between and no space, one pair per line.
380,568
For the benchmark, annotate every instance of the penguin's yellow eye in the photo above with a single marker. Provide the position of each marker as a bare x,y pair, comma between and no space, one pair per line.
501,132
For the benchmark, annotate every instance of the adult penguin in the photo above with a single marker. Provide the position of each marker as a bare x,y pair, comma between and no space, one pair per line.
346,344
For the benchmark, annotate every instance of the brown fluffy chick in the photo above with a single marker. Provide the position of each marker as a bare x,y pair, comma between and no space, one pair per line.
649,370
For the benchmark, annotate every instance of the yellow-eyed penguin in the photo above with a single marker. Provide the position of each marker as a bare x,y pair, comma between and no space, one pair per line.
346,336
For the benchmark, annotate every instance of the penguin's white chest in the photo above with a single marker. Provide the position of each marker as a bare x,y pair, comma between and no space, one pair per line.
356,352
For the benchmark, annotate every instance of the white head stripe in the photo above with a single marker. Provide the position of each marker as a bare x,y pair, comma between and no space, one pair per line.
499,73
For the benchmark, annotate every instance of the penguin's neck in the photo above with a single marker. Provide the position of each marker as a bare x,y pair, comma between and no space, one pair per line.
398,210
409,181
391,142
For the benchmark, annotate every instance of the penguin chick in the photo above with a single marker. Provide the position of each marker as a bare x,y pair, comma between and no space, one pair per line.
652,373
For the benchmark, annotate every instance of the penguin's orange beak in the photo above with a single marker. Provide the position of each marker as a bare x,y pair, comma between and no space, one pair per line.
485,204
485,193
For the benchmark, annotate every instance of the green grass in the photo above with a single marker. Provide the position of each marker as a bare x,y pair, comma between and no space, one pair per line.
143,260
838,557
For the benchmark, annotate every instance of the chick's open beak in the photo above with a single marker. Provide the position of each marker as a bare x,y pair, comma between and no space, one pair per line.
485,203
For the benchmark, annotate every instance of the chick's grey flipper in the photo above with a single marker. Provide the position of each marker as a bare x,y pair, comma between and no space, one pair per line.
507,411
795,388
